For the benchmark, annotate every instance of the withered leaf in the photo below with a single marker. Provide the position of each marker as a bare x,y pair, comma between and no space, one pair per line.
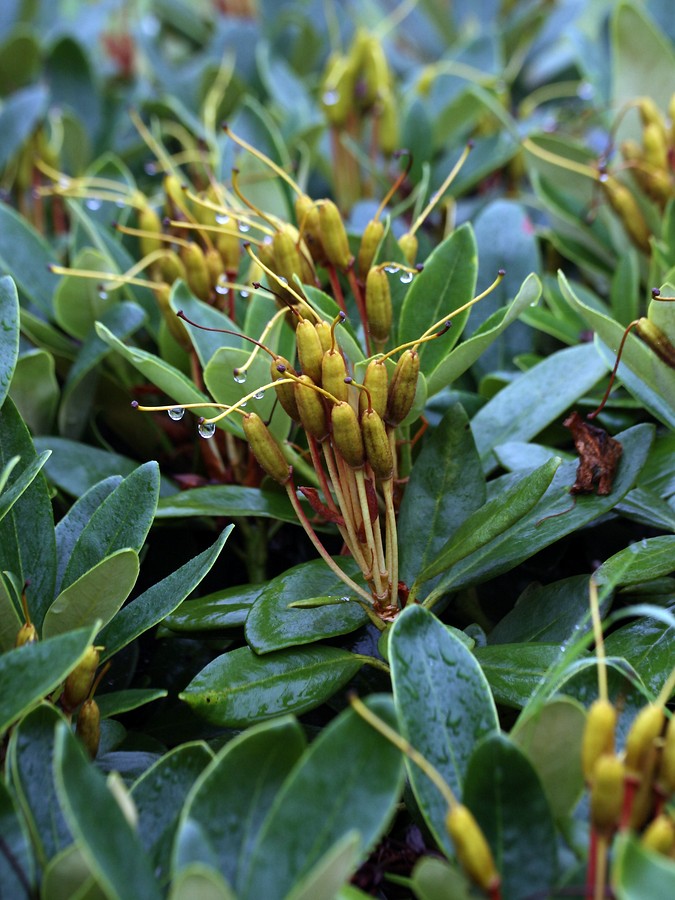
330,515
599,455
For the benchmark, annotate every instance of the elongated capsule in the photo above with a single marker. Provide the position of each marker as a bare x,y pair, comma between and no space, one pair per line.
214,265
607,792
265,448
333,374
646,727
286,256
78,683
311,408
379,311
338,89
598,735
347,435
307,217
334,235
402,387
376,379
175,325
409,245
625,206
196,270
666,770
370,241
175,197
376,442
651,334
279,368
171,267
310,351
473,851
651,115
375,76
27,634
659,835
88,727
323,329
228,246
655,146
149,220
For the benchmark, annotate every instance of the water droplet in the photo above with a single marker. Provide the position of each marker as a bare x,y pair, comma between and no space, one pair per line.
92,203
176,413
244,295
120,204
391,270
150,168
585,91
604,176
345,599
220,288
103,295
243,403
259,395
534,303
244,227
222,219
206,429
330,98
406,278
240,377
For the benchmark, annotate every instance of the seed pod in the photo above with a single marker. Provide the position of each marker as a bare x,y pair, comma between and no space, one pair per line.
310,351
311,408
671,116
78,683
334,235
175,197
27,634
651,116
378,304
666,772
215,265
286,257
347,435
265,448
307,217
655,146
196,270
646,727
149,220
375,78
337,93
659,835
376,442
285,392
171,267
228,247
175,325
88,727
598,735
409,246
607,792
376,379
625,206
402,387
333,374
370,241
473,851
652,335
323,329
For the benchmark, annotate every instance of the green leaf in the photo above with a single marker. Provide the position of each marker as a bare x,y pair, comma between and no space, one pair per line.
436,879
118,702
19,485
199,882
638,873
229,500
19,117
28,551
35,390
443,703
80,302
25,255
17,867
122,521
358,775
546,613
331,872
535,399
68,876
10,620
273,624
446,283
648,645
492,521
641,561
158,601
95,596
29,673
239,688
9,333
447,467
99,825
515,671
463,356
223,609
244,779
505,795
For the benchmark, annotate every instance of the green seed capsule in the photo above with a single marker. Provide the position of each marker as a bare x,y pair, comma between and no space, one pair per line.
376,379
285,392
333,374
175,197
347,434
307,217
171,267
473,851
375,76
310,351
378,304
646,727
409,246
376,442
370,241
666,775
228,247
402,388
625,206
652,335
27,634
287,261
149,220
598,735
196,270
265,448
215,266
175,325
607,792
88,727
651,116
334,235
655,146
79,682
659,835
311,408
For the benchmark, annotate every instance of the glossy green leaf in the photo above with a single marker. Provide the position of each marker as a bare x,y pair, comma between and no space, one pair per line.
10,620
122,521
29,553
239,687
29,673
95,596
644,506
19,117
273,624
437,879
17,867
35,390
243,780
331,872
446,283
21,483
551,737
358,775
447,467
463,356
503,791
648,645
99,825
515,671
535,399
80,302
641,561
9,333
222,609
443,703
199,882
158,601
31,757
492,521
19,61
637,873
118,702
68,876
547,613
72,82
229,500
25,255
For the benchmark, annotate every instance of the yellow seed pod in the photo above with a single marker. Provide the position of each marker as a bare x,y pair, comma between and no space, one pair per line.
323,329
426,80
171,267
285,392
473,851
337,89
88,727
333,374
286,256
598,737
388,124
376,379
347,435
652,335
402,387
149,220
655,146
79,682
409,246
27,634
671,116
625,206
379,312
646,727
307,217
311,408
175,198
607,792
196,270
175,325
376,442
650,115
666,769
228,247
310,351
265,448
659,835
370,241
334,235
374,70
215,265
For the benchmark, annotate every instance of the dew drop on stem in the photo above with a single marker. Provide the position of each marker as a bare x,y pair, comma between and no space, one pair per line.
176,413
239,377
206,429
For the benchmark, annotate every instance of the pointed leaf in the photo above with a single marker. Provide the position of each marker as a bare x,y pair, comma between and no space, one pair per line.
229,500
9,333
332,871
638,873
19,484
17,867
